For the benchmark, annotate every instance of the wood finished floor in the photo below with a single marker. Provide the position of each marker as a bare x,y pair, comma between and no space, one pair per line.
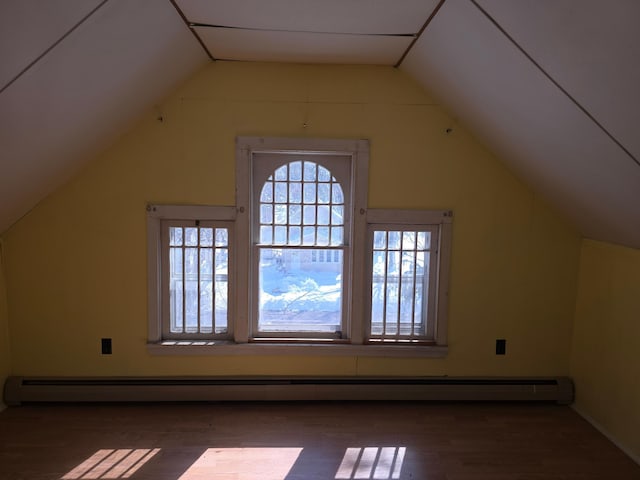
306,441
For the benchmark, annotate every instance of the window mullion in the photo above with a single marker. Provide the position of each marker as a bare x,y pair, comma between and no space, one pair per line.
214,280
199,330
415,284
399,295
386,287
183,328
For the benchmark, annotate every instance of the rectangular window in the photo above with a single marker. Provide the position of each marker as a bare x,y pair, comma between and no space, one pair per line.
407,282
190,263
197,284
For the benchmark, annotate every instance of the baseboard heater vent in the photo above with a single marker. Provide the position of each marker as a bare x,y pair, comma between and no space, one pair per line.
19,390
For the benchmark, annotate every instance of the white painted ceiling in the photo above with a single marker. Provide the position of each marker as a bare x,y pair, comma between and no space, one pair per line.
550,85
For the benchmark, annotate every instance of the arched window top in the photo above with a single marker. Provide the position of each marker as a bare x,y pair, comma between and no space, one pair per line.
302,203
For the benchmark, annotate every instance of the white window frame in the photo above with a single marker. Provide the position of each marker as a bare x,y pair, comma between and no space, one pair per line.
241,340
439,223
248,151
159,218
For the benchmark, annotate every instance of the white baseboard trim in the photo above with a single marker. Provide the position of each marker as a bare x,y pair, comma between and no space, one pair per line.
606,433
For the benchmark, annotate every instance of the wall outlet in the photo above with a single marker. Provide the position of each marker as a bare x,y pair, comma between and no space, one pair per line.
106,346
501,346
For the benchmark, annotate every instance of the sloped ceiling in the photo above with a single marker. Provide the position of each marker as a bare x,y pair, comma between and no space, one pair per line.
549,85
552,87
74,74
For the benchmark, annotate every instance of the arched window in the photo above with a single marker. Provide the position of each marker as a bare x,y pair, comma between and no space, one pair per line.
301,213
302,203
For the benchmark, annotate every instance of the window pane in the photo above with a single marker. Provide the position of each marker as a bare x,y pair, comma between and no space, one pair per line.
266,235
298,295
323,236
206,237
394,241
221,290
337,235
280,235
295,192
323,215
191,261
337,196
295,235
206,290
281,173
266,213
408,240
295,214
267,192
282,195
309,214
309,235
280,214
309,193
323,174
309,172
295,171
337,215
191,236
324,193
222,237
191,305
424,240
379,240
175,290
175,236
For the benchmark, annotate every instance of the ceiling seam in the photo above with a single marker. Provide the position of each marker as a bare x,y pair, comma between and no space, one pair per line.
190,26
420,32
556,83
53,45
316,32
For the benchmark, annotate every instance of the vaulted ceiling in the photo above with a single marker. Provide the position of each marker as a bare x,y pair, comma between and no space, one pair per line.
550,85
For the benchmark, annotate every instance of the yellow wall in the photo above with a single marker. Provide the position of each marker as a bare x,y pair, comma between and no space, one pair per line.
76,265
5,358
605,361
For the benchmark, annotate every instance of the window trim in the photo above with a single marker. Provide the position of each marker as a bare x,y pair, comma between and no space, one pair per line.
246,147
239,293
156,215
443,221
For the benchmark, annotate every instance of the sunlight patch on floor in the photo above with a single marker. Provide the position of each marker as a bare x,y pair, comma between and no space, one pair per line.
111,464
243,464
371,463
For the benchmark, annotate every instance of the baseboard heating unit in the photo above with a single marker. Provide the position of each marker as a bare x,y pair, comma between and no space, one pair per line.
19,390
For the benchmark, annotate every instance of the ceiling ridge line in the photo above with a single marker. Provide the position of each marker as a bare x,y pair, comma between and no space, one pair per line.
52,46
420,32
193,32
254,29
556,83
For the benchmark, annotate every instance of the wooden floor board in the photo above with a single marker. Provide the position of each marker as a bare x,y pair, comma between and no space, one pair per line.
306,441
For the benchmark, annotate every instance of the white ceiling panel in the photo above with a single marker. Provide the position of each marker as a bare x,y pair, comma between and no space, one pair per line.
84,93
29,27
534,127
591,48
271,46
394,17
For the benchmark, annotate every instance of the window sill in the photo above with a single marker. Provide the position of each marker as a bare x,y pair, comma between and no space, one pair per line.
216,348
